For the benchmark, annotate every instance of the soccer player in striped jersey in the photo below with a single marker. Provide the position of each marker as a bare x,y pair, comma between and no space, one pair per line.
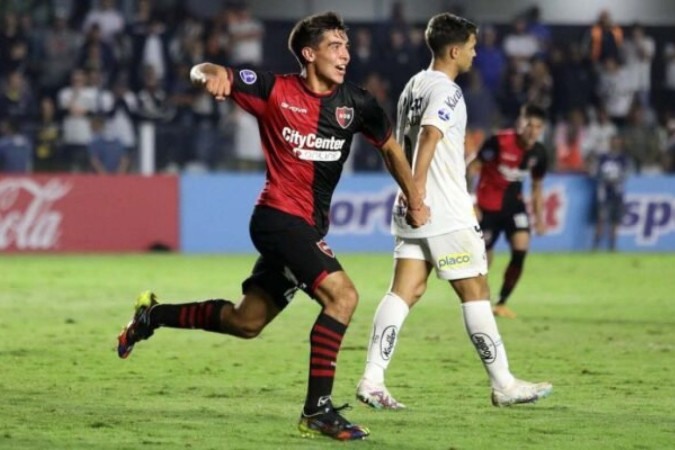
307,122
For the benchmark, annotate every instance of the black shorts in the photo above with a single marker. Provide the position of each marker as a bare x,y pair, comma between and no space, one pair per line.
293,255
507,220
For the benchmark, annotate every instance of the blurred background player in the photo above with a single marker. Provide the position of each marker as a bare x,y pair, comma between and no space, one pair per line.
503,162
307,122
611,170
431,126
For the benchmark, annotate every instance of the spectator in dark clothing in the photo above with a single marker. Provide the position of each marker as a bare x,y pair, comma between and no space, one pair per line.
16,99
16,151
604,39
490,60
47,139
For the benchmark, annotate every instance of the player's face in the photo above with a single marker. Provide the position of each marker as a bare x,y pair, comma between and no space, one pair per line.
467,52
530,129
331,57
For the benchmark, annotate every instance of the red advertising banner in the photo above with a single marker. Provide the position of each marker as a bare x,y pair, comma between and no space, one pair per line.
83,213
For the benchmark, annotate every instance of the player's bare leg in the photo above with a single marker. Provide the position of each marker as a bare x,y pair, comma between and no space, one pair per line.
408,286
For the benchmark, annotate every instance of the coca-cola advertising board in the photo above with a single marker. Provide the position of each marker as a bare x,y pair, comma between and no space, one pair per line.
83,213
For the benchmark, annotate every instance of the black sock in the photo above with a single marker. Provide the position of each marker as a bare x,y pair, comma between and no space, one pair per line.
202,315
512,275
325,341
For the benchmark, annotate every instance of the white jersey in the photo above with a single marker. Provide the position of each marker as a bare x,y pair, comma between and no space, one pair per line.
432,98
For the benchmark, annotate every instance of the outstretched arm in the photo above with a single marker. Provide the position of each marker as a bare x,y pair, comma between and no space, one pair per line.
212,77
394,159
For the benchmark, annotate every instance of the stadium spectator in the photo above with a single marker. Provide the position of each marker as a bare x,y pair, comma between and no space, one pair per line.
604,40
17,101
364,57
669,74
571,143
150,48
490,59
638,54
610,176
246,36
304,162
47,138
16,151
75,103
537,28
616,90
122,115
431,124
106,16
520,46
107,155
59,51
539,84
503,163
573,81
642,143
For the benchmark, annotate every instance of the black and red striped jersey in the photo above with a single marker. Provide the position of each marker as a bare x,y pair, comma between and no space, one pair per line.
306,137
505,164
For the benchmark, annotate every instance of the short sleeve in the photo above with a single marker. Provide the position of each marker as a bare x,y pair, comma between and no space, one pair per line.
489,150
538,171
440,112
251,89
375,126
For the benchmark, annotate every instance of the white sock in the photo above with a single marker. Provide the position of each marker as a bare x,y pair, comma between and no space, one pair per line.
387,323
482,329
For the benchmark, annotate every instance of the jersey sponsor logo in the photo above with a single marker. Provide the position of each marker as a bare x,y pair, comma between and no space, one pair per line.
295,109
310,147
452,101
248,76
512,173
314,155
344,116
323,246
486,347
454,260
444,114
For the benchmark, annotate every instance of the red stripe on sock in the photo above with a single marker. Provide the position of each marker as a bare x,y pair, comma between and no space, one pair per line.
322,373
322,362
207,314
183,316
193,312
327,332
325,341
324,352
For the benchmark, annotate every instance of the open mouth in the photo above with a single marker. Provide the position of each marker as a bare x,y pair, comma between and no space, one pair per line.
342,68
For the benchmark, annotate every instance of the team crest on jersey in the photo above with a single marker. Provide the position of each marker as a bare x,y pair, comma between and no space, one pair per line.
248,76
344,116
323,246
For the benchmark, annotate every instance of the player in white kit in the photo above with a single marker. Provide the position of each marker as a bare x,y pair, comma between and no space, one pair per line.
430,127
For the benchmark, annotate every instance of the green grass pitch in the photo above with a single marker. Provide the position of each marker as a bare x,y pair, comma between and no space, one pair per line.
601,327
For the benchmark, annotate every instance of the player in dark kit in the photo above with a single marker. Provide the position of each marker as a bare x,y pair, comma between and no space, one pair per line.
307,122
504,161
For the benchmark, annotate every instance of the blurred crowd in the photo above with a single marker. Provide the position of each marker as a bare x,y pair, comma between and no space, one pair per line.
79,79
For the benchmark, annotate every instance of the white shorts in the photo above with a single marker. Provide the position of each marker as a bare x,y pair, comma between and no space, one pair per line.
455,255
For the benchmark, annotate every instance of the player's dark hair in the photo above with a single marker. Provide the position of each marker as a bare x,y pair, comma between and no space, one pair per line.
530,110
308,32
447,29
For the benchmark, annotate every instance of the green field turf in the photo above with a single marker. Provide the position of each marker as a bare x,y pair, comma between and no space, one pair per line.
601,327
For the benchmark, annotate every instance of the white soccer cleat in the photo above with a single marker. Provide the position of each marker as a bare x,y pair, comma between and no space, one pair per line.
521,392
376,396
